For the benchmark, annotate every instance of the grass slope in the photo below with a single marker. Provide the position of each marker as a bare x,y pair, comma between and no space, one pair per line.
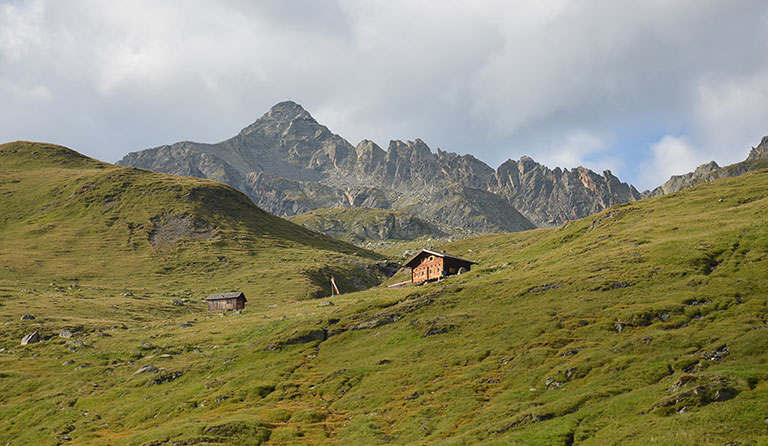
644,324
67,216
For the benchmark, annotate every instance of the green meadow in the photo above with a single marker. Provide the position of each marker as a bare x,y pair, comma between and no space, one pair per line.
646,324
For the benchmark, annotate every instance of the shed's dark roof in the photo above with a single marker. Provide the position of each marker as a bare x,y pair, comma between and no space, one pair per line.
435,253
226,296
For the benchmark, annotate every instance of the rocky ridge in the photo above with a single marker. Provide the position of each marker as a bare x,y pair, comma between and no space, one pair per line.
289,164
711,171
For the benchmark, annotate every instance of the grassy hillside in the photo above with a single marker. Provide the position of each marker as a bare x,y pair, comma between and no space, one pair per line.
68,219
642,325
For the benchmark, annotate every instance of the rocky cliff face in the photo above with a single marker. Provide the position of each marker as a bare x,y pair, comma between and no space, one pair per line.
759,152
757,159
288,164
549,197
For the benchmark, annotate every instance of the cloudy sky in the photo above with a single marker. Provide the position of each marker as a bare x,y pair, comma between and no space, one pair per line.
643,88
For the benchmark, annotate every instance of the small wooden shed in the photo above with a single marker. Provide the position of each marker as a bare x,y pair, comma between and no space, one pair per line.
226,301
430,265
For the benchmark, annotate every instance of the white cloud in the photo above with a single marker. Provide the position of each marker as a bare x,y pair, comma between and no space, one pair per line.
21,92
19,28
575,150
727,119
671,155
730,116
588,82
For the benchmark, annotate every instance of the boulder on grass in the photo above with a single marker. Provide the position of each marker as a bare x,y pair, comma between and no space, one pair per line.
146,368
30,338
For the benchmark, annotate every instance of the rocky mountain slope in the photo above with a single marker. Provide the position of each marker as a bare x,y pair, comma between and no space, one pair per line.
644,324
357,225
288,163
550,197
757,159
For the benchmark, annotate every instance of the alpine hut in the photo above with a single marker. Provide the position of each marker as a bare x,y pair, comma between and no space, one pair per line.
226,301
430,265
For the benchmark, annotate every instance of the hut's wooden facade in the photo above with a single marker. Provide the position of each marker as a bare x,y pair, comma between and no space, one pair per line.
226,301
430,265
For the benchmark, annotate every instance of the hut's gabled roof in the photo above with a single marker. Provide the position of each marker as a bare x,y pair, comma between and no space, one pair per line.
223,296
412,263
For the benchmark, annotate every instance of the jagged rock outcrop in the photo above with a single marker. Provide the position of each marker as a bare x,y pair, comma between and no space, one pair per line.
759,152
289,164
711,171
549,197
704,173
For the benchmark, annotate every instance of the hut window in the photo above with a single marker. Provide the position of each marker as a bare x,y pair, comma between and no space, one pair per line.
431,258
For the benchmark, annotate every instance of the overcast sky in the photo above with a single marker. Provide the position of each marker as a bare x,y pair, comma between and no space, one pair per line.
646,88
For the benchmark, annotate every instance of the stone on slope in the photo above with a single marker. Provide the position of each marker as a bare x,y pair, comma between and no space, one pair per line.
146,368
30,338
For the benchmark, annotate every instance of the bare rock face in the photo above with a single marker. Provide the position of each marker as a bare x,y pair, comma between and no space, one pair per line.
289,164
757,159
704,173
759,152
550,197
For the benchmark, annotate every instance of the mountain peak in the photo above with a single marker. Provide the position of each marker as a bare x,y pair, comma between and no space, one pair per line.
280,115
417,147
368,146
286,106
288,163
287,110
